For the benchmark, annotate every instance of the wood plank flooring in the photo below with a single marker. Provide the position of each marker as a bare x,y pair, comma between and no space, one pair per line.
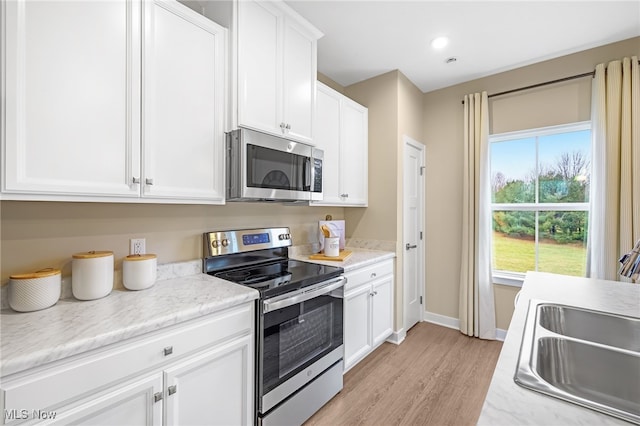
437,376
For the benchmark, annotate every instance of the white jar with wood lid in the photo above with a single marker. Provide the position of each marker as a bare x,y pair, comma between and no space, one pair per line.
139,271
92,274
34,291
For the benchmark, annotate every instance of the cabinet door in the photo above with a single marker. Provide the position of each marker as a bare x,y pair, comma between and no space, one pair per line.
259,66
299,85
72,85
126,404
357,324
213,388
183,103
327,138
354,153
382,309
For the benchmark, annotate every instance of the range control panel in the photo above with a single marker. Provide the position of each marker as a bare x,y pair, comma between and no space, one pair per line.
245,240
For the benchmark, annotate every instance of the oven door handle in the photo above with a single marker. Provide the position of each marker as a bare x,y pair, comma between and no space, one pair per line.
272,305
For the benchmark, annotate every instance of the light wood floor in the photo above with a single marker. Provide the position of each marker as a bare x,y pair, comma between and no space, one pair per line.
437,376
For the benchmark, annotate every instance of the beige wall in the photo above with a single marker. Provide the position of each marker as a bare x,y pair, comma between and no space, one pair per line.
329,82
549,105
379,220
395,110
37,235
380,96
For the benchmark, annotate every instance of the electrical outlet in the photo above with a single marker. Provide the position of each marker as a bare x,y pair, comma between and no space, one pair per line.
137,246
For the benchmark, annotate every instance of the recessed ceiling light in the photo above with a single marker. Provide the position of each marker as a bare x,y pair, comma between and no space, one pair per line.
439,42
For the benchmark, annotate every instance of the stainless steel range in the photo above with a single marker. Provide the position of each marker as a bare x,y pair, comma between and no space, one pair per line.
299,322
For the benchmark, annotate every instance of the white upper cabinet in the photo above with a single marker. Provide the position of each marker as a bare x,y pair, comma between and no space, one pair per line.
183,104
342,132
118,100
72,85
276,52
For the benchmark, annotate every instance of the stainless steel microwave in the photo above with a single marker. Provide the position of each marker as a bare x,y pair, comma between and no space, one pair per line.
262,167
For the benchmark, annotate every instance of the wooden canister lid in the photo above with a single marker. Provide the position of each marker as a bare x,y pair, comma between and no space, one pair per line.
92,254
134,257
49,272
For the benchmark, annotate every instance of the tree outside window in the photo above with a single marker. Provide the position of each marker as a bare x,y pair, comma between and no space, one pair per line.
540,199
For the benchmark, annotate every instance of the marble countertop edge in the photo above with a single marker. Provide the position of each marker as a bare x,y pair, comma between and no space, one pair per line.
72,327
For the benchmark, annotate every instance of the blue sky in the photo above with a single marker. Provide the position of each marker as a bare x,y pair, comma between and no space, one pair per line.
516,158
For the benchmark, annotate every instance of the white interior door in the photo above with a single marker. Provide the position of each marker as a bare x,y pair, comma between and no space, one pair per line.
413,238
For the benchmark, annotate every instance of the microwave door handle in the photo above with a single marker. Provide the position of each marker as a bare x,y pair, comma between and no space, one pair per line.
307,174
269,305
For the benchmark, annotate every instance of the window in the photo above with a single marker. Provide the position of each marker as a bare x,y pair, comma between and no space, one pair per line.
540,201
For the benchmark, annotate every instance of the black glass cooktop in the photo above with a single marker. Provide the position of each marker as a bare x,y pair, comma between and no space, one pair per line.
279,277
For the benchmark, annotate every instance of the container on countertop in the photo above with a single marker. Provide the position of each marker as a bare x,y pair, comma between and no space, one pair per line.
139,271
92,274
34,291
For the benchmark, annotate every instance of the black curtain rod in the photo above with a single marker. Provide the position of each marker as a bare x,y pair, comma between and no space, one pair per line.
533,86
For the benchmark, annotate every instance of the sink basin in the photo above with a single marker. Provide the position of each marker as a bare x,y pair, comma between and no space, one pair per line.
593,326
592,373
586,357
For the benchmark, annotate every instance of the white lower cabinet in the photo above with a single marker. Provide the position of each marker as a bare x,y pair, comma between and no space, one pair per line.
212,387
131,403
197,373
368,310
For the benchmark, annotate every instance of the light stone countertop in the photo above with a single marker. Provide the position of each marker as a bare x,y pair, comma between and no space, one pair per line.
358,259
72,327
507,403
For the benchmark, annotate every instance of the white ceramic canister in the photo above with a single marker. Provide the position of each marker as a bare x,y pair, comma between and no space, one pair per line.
92,274
332,246
34,291
139,271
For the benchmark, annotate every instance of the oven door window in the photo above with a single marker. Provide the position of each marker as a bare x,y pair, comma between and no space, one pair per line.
296,336
273,169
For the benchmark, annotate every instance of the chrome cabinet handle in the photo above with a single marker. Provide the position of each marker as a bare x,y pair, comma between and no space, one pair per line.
172,389
409,247
148,181
168,350
157,397
344,195
373,275
136,180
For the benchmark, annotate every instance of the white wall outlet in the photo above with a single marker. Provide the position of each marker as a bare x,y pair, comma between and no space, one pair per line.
137,246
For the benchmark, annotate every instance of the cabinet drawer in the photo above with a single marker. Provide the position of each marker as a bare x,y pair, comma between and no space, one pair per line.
65,381
367,274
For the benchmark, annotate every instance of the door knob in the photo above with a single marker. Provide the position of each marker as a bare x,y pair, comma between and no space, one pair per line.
409,246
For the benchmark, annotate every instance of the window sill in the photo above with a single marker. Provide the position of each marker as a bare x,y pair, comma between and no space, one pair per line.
512,279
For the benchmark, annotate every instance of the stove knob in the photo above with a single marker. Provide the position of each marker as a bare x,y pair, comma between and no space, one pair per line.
287,236
215,244
281,237
225,242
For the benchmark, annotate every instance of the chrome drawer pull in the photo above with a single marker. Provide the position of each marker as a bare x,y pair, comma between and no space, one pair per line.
168,350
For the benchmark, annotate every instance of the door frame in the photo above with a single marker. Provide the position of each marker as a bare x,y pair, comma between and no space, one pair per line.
407,141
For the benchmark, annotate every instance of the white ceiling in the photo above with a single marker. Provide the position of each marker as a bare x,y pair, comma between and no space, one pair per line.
365,38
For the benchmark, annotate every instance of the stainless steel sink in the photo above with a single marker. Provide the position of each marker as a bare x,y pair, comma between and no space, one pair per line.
586,357
593,326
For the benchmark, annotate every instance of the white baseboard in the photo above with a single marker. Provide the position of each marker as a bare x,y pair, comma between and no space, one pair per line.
397,337
454,323
442,320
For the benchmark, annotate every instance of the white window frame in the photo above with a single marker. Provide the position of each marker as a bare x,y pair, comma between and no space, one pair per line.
516,279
